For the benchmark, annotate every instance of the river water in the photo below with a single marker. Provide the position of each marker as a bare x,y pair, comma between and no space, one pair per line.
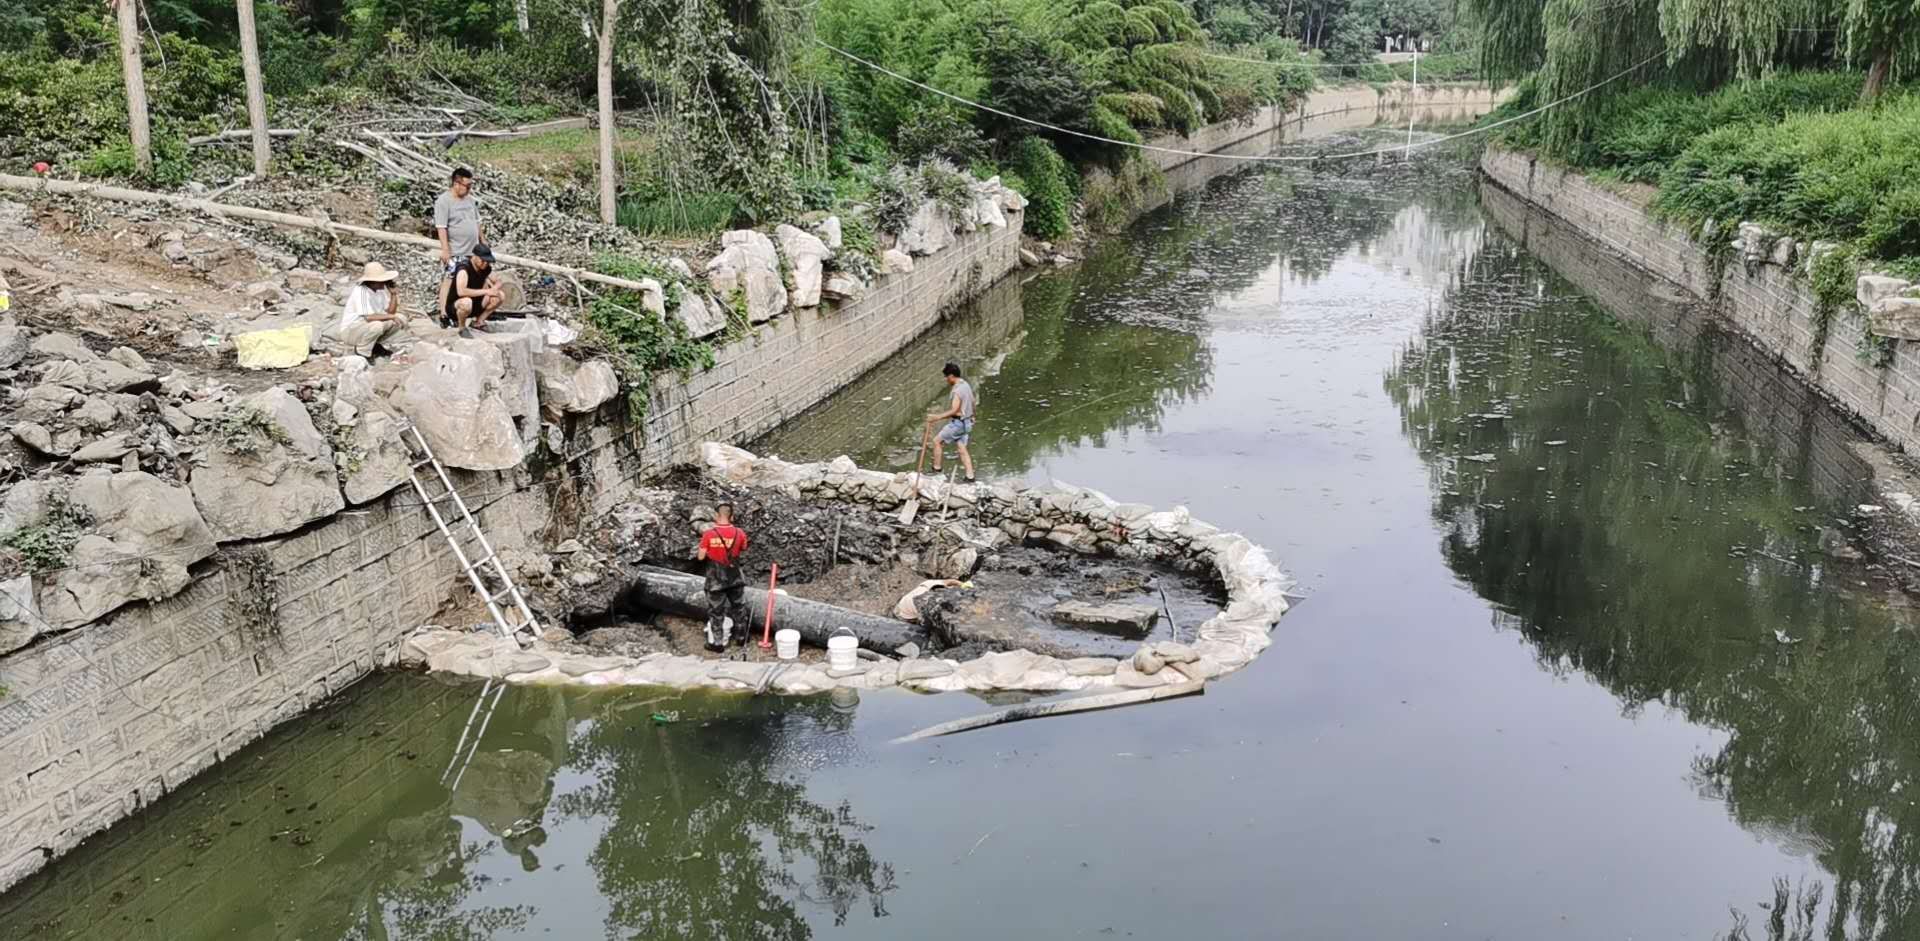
1537,688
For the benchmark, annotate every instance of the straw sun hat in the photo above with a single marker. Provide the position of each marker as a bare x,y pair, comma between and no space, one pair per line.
376,272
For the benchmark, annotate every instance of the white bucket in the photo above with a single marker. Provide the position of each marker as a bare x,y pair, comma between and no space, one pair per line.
786,643
840,650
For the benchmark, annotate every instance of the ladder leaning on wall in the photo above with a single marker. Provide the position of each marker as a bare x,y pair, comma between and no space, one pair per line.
489,578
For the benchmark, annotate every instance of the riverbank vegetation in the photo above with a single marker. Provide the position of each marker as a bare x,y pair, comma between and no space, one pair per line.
1790,113
732,113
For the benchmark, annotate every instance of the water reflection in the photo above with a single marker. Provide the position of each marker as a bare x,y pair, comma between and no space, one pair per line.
1662,539
391,816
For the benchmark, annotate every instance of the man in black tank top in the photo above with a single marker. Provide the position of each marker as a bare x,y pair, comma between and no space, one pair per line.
475,295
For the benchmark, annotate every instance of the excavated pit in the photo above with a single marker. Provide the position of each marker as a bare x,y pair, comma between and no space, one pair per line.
865,562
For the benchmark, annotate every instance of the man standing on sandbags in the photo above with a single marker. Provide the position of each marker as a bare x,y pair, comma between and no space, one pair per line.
721,547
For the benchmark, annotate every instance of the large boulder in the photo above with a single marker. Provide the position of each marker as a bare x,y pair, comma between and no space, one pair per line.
829,231
13,343
895,261
143,536
805,254
928,231
509,363
268,471
20,617
986,205
373,458
454,399
106,375
748,264
1896,317
1871,289
62,346
702,317
841,288
570,386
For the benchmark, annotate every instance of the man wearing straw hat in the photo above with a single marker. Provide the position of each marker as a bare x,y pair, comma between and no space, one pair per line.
372,315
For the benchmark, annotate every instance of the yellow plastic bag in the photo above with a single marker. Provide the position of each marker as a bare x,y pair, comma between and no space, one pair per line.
274,349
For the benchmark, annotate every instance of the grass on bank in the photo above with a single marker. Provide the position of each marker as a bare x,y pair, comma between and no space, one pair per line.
1795,152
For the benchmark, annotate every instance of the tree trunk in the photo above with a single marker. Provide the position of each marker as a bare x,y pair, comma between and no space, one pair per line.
678,593
520,19
256,95
136,82
609,12
1877,76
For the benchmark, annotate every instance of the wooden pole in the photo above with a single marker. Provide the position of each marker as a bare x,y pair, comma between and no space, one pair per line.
136,81
256,94
609,14
1060,707
28,184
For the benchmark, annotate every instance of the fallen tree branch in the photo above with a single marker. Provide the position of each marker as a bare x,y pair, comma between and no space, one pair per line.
1060,707
27,184
244,134
377,158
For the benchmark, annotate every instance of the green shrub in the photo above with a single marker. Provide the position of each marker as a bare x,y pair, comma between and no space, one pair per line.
636,342
243,429
939,132
1643,131
895,197
1049,188
946,186
1843,177
49,543
678,215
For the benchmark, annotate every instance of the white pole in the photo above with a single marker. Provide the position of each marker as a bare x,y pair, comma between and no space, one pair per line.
608,19
1413,97
137,130
256,97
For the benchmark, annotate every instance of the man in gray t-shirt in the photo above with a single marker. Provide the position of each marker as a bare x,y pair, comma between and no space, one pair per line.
959,416
456,221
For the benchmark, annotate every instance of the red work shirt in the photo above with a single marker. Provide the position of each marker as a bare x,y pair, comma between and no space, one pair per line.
722,547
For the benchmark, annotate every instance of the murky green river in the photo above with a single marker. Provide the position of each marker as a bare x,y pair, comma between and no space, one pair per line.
1536,690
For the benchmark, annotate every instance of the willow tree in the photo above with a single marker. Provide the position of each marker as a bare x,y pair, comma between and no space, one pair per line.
1575,45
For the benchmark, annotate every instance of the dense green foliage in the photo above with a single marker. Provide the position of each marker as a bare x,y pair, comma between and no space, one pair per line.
1573,45
1638,134
1794,151
1848,177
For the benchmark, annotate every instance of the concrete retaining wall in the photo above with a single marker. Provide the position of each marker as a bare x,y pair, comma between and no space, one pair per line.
1769,303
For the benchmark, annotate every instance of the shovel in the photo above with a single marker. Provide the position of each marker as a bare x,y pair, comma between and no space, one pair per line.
912,509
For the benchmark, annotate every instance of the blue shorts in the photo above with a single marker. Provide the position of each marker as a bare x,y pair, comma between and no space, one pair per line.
453,267
957,431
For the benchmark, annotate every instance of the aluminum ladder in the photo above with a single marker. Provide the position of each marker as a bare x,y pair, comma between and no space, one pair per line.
478,571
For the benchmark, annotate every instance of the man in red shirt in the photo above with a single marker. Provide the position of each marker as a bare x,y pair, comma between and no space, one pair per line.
721,547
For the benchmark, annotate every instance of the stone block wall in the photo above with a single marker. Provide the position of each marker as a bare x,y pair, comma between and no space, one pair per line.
1773,305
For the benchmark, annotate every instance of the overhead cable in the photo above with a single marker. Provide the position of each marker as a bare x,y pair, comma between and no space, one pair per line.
1253,158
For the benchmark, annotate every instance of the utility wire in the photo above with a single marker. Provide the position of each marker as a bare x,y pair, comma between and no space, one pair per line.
1253,158
1312,65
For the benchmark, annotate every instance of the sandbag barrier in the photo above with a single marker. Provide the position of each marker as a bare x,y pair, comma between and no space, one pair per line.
1075,518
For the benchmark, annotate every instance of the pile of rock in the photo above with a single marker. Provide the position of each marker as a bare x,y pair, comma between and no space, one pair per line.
1076,518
